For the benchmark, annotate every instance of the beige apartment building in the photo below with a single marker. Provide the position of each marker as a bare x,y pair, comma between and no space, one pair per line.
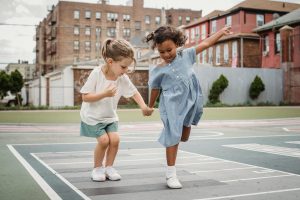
73,32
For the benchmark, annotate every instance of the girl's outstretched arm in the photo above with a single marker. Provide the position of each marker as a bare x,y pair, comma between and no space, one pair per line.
140,101
213,39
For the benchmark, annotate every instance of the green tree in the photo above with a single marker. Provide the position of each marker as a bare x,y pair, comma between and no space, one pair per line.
16,81
4,83
257,86
217,88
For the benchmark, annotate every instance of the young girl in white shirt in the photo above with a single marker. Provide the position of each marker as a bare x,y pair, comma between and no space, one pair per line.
100,94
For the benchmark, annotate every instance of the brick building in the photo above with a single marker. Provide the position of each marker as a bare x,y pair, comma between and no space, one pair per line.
242,49
280,47
73,32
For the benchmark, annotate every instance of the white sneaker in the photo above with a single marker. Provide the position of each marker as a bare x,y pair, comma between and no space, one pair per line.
112,174
98,174
174,183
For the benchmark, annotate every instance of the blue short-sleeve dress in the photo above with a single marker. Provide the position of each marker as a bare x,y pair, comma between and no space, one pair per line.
181,100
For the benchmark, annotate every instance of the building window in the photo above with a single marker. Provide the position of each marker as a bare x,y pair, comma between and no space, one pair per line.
88,14
266,45
277,43
76,45
187,19
137,25
98,31
180,20
138,54
147,19
75,59
203,54
112,16
98,15
126,32
234,55
226,55
203,31
76,30
111,32
76,14
214,26
187,34
87,30
87,45
218,55
192,34
157,20
228,21
210,55
126,17
98,46
197,32
260,20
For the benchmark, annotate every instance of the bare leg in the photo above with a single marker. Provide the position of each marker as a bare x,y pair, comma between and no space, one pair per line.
100,149
171,153
113,148
185,133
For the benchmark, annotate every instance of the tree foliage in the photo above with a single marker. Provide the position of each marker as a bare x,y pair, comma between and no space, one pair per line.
257,86
217,88
13,83
4,84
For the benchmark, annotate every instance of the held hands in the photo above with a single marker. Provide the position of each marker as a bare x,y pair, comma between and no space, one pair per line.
147,111
110,91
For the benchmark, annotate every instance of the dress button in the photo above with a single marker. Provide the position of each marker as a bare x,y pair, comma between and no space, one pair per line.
177,76
173,70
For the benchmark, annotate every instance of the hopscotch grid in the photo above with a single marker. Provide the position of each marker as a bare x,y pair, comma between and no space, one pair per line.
197,155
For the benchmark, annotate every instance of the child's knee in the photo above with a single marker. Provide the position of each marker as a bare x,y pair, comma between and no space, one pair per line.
114,140
103,140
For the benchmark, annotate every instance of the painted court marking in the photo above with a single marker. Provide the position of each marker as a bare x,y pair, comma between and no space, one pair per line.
47,159
284,151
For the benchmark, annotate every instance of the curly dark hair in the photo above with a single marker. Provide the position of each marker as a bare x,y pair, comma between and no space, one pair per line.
164,33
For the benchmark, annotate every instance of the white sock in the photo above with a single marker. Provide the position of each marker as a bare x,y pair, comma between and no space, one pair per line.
171,171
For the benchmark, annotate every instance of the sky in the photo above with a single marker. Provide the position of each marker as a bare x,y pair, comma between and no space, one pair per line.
16,38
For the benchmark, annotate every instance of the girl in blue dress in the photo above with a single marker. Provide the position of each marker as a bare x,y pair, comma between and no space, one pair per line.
174,80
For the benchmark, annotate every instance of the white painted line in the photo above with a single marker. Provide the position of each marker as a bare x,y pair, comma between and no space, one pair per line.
264,171
293,142
201,163
286,129
220,170
41,182
263,177
120,160
37,144
250,194
62,178
134,141
277,150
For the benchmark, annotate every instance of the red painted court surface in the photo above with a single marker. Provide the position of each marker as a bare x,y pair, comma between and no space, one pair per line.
240,160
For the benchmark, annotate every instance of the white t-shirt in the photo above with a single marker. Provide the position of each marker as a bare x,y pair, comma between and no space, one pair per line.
104,110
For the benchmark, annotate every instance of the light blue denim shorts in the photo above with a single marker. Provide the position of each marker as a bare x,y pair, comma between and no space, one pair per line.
98,129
